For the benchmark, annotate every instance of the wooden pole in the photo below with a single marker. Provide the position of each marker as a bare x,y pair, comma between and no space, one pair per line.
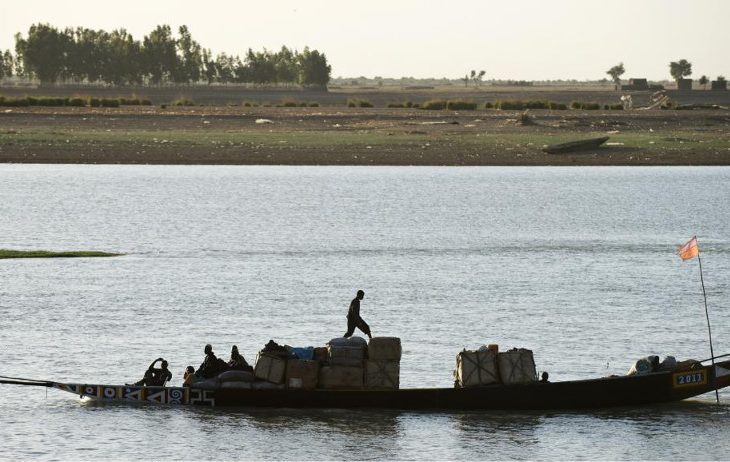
709,331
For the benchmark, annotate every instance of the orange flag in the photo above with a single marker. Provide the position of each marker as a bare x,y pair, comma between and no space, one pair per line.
689,250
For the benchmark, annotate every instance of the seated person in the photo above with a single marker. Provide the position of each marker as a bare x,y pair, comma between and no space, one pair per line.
237,362
155,377
210,367
188,376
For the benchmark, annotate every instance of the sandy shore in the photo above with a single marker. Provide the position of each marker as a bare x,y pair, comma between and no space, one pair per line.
354,136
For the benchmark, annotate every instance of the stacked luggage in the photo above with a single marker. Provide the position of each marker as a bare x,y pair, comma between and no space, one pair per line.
344,363
382,368
487,366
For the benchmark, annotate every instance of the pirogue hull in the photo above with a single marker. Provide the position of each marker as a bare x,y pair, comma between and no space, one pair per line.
580,394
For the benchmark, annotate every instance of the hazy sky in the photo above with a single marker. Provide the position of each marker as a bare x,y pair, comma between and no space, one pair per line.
510,39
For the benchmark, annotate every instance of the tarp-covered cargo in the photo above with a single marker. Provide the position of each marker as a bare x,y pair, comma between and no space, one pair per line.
341,377
382,374
384,349
353,341
517,366
475,368
270,368
302,374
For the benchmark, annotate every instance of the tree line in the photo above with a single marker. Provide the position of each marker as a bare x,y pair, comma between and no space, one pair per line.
84,55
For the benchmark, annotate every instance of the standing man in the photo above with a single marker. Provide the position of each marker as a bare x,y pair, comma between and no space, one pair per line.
353,317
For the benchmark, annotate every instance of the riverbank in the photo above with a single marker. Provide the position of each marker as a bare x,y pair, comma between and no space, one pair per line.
239,135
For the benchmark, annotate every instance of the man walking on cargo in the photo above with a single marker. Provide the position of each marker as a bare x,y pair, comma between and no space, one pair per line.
353,317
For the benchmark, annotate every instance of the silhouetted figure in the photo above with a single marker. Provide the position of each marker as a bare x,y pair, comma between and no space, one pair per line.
353,317
238,362
210,366
188,376
544,377
155,377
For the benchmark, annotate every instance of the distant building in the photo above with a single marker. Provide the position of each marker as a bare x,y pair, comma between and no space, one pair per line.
636,85
684,84
719,85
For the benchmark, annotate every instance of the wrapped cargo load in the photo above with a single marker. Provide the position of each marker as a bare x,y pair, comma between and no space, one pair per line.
346,356
302,374
341,377
321,355
476,368
270,368
517,366
384,349
382,374
353,341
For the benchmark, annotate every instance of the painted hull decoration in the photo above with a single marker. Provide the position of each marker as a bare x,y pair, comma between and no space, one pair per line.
578,394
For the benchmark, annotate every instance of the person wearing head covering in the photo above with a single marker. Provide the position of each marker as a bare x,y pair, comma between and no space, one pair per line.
353,317
238,362
155,377
209,367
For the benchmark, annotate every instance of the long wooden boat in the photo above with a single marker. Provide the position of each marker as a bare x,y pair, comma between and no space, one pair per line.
573,146
612,391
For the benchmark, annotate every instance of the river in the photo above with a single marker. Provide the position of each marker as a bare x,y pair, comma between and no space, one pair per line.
577,264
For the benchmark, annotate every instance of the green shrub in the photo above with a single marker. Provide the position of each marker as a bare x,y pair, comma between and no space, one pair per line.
94,102
461,106
359,103
585,106
395,105
289,104
488,105
109,102
130,101
146,102
314,104
77,102
183,102
434,105
510,105
246,104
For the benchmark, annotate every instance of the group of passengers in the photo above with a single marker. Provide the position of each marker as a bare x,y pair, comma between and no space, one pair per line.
210,367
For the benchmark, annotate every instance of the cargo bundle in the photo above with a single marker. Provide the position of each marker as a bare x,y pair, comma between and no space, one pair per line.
344,363
487,366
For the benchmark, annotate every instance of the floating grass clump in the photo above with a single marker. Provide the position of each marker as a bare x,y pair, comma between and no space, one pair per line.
4,253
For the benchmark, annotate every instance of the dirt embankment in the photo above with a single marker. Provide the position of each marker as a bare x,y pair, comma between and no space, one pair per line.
355,136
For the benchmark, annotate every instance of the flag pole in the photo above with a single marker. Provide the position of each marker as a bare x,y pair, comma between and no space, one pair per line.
709,331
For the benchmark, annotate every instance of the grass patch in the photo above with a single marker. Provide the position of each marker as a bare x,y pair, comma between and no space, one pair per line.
359,103
4,253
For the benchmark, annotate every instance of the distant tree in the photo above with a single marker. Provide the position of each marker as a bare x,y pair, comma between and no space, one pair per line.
313,68
285,65
466,79
209,69
680,69
720,78
616,72
477,77
44,52
224,67
6,64
190,59
159,54
703,81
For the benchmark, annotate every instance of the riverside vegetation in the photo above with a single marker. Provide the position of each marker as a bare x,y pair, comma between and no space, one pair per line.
4,253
